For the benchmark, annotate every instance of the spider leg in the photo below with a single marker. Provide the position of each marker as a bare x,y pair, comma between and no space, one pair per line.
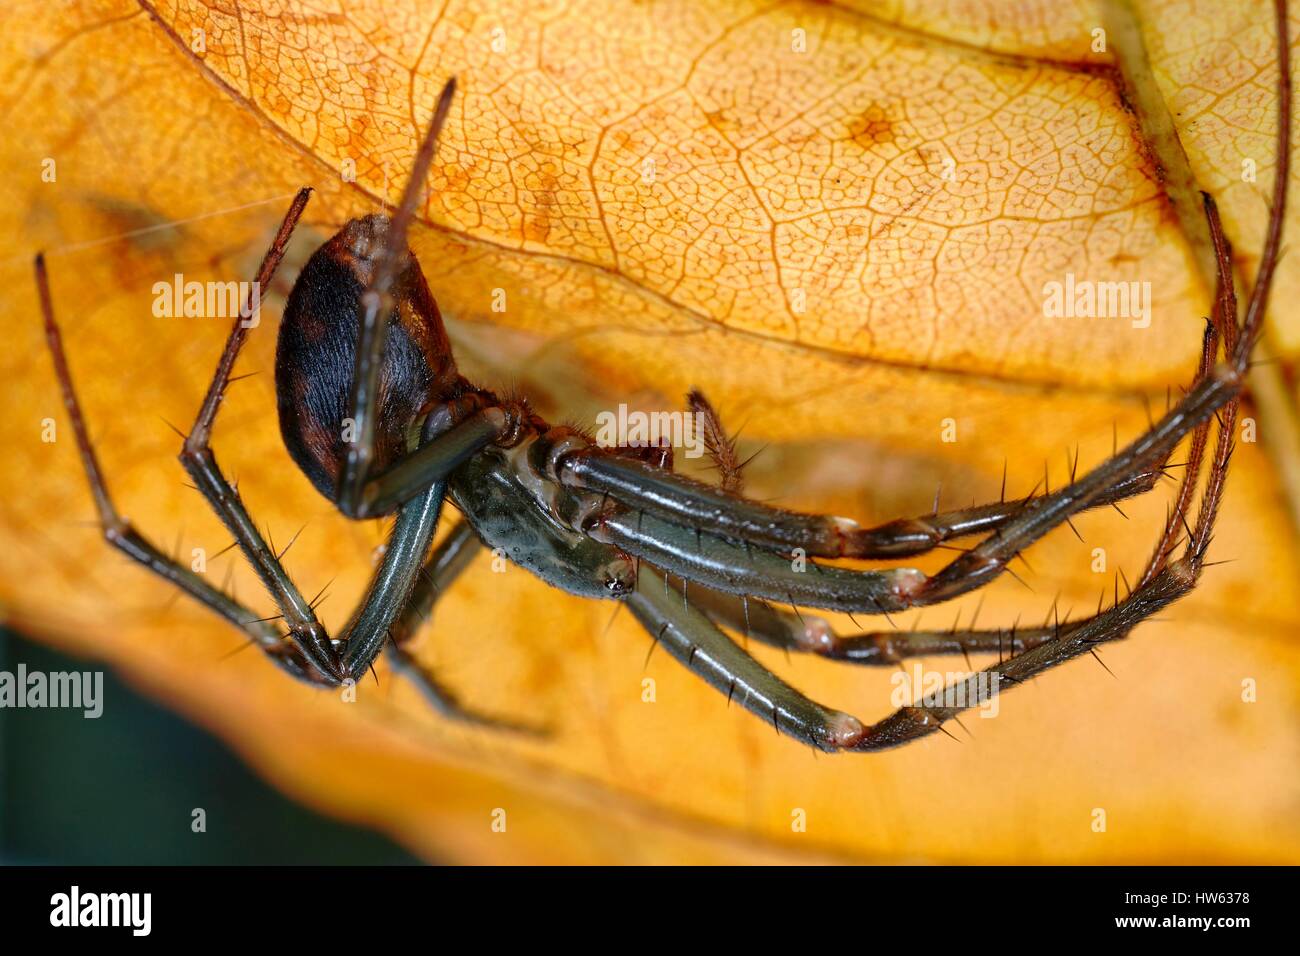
431,462
444,566
121,534
990,557
723,565
695,504
201,464
690,637
391,585
1163,581
717,562
720,445
740,569
810,633
308,653
887,648
377,304
683,500
1081,637
1215,392
664,612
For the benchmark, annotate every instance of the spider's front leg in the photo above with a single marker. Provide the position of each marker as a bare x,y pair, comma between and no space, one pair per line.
805,633
689,635
1164,581
722,555
682,620
684,501
691,638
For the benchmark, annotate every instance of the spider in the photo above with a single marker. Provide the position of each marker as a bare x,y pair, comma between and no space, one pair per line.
373,410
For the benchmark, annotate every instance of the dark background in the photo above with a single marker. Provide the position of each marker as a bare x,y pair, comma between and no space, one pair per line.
119,789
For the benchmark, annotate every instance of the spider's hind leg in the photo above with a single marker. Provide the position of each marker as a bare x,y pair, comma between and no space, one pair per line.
445,564
200,462
307,650
122,535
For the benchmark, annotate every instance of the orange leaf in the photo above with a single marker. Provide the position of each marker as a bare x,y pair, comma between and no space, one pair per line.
837,222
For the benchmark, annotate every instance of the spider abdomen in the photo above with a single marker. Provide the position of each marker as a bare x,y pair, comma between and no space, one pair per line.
315,358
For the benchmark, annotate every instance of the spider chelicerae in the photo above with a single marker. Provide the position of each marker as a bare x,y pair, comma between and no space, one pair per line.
373,410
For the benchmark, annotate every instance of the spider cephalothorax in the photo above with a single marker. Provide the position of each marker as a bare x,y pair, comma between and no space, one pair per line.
374,411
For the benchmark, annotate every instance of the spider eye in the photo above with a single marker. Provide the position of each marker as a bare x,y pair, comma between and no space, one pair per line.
620,576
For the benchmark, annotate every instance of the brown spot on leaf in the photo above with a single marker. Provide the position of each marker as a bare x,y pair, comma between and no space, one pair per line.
872,128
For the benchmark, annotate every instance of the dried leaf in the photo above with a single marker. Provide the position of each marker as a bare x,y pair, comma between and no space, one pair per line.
836,222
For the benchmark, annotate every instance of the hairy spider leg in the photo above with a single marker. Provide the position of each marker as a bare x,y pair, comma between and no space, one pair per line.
121,534
201,464
362,494
703,555
1216,389
812,634
683,500
684,619
709,513
686,628
691,638
1238,342
446,563
308,652
739,569
690,635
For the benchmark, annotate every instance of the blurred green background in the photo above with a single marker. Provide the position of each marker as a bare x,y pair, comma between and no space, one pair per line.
120,789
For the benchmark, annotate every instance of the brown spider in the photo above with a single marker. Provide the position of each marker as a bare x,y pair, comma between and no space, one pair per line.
374,411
